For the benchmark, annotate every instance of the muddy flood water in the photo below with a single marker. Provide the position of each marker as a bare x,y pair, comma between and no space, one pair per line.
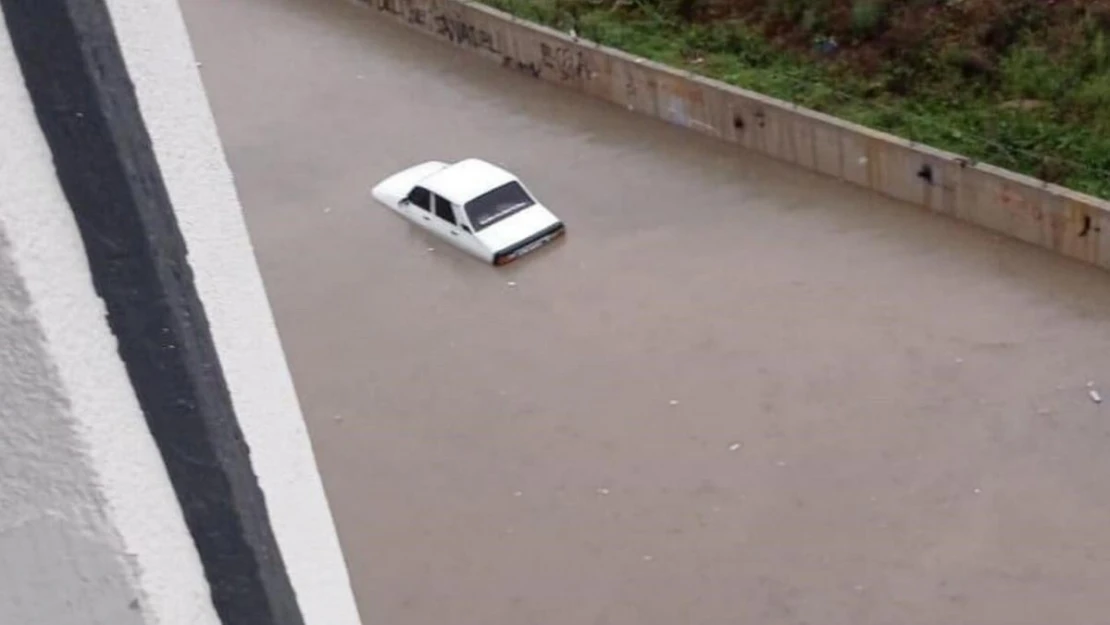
736,393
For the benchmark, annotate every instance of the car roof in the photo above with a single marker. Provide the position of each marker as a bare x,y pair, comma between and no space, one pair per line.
465,180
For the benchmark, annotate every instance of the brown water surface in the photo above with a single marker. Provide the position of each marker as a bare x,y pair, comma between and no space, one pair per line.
908,394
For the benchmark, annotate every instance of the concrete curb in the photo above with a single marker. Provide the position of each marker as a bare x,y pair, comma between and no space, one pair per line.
1067,222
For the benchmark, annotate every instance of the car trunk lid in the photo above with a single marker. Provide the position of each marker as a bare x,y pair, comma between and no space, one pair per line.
394,188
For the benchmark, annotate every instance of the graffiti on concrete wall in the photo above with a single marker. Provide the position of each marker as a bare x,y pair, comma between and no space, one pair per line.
567,63
564,63
529,68
454,29
458,31
413,15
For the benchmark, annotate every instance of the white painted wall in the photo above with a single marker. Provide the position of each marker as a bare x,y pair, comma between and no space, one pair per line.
160,60
90,529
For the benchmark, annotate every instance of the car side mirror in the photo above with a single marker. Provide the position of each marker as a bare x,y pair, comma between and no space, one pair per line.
404,200
466,227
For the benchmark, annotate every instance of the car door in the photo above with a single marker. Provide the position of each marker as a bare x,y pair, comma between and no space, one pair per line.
418,207
448,225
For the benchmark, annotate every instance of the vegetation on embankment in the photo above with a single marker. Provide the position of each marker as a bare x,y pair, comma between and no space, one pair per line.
1021,84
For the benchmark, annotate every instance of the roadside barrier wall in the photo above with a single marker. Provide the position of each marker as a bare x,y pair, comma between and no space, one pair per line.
1065,221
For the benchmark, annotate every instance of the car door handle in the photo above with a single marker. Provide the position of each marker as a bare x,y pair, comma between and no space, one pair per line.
454,233
426,218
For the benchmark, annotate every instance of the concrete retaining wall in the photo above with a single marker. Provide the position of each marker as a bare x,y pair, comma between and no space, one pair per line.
1070,223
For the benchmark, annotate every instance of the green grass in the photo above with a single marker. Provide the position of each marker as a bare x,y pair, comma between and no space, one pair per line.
1064,139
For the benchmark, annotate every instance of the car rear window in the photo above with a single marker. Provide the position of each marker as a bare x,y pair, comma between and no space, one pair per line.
495,205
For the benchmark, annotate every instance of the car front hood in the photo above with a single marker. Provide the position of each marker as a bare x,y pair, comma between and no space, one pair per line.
516,228
394,188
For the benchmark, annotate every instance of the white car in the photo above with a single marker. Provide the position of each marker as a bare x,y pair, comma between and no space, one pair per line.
475,205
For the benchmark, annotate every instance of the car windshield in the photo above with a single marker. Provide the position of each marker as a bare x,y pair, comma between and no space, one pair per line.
495,205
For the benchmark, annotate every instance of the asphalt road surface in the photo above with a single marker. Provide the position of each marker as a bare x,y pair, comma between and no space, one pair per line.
736,393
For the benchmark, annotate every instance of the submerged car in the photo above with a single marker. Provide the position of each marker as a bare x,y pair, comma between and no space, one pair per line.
476,206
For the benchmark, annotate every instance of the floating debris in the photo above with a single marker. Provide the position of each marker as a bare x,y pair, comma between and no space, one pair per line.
511,283
674,402
603,491
648,558
734,447
1095,396
517,493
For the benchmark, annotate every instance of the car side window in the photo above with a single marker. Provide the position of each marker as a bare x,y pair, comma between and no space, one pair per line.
419,196
445,211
